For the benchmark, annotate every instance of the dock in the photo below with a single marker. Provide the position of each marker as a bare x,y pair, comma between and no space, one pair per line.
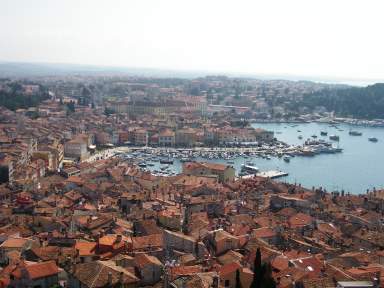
271,174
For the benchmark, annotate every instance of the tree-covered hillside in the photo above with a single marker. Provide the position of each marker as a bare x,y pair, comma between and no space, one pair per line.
366,102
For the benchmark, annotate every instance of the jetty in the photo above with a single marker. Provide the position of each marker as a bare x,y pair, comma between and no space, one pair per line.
271,174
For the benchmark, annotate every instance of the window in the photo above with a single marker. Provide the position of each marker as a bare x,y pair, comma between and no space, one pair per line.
226,283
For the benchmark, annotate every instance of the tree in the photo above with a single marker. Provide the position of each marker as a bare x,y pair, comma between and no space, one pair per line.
262,273
71,106
238,282
108,111
256,283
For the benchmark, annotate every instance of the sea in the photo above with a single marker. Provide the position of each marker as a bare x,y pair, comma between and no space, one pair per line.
359,167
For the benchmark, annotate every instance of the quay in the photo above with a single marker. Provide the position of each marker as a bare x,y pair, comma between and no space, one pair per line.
271,174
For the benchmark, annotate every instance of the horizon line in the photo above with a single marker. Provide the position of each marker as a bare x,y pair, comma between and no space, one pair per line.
336,80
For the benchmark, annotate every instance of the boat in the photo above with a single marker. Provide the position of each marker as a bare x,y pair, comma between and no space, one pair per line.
300,137
142,164
249,169
250,163
334,137
373,139
150,164
314,136
355,133
323,133
231,162
287,159
307,152
166,161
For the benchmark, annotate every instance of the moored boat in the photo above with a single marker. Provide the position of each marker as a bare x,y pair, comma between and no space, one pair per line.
166,161
373,139
249,169
355,133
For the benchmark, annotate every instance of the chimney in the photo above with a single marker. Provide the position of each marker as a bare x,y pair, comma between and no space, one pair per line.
119,238
121,278
109,279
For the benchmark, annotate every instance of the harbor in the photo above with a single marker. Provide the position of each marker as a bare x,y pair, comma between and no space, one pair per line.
350,162
164,161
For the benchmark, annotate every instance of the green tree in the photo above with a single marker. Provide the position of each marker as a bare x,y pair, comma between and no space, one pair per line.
108,111
262,273
71,106
238,282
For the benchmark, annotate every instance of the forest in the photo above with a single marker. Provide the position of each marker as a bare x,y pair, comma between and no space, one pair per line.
356,102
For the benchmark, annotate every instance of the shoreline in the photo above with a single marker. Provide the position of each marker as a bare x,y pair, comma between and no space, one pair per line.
348,121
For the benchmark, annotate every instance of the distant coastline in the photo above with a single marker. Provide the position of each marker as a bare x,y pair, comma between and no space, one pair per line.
44,69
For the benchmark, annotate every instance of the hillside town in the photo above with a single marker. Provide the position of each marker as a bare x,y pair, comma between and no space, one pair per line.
72,219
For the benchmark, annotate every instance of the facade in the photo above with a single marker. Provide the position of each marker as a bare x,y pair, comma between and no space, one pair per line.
223,172
185,137
167,138
140,137
77,148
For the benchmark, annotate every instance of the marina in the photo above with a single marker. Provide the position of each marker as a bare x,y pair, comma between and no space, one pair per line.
312,162
168,161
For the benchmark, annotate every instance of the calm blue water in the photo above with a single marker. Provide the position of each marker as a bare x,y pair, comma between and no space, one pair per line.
359,167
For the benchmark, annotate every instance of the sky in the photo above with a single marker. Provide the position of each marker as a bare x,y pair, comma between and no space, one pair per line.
321,38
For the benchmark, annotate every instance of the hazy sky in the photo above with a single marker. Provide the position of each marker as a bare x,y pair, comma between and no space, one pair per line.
331,38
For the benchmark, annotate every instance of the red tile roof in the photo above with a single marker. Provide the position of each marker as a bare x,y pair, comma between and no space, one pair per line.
86,248
300,220
37,270
229,268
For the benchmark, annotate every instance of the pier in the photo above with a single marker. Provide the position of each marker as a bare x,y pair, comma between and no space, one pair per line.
271,174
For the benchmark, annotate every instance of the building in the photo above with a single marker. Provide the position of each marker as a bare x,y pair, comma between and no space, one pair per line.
77,147
140,137
167,138
264,135
149,268
224,173
108,275
42,274
185,137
